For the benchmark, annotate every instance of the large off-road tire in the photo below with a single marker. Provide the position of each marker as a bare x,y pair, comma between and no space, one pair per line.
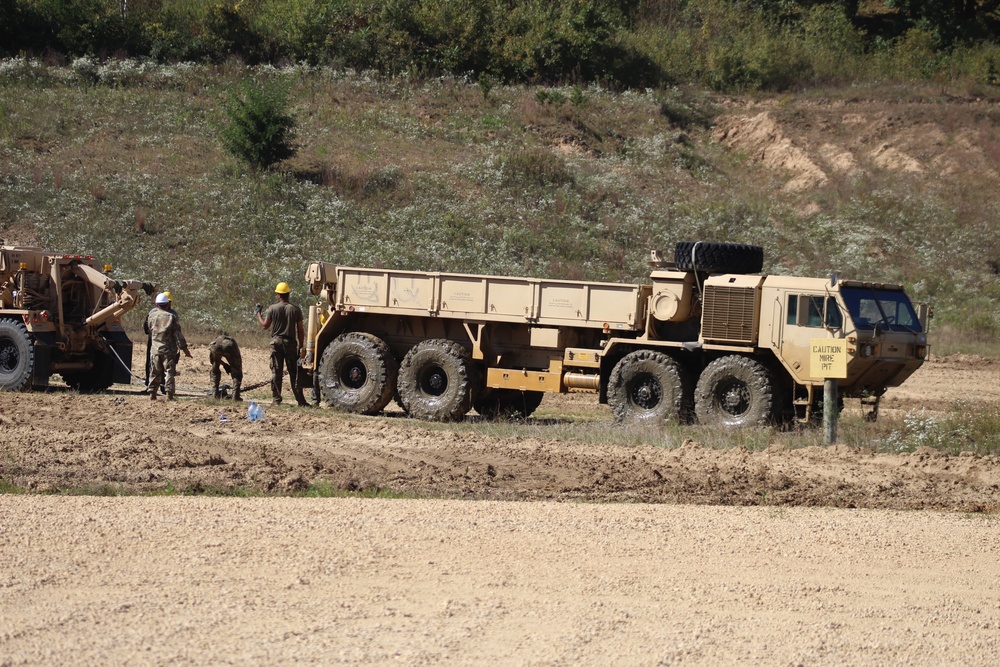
437,381
508,403
649,387
718,257
357,373
736,391
17,356
95,380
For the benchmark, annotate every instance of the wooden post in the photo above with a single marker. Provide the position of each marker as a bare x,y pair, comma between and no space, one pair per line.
830,410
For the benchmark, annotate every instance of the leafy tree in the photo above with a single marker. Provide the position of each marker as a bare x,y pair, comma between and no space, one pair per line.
77,27
554,40
8,25
259,129
948,21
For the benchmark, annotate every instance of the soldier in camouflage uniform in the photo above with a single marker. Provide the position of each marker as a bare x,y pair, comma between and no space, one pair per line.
166,339
149,341
288,339
225,352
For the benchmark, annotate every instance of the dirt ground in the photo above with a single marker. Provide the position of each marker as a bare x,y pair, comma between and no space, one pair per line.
121,439
714,556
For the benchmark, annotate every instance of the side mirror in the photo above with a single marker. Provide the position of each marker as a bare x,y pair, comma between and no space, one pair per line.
924,314
879,330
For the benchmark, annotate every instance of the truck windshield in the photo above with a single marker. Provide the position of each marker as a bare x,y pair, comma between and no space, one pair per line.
891,308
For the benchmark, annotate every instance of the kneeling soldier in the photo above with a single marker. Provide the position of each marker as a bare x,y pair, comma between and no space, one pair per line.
225,348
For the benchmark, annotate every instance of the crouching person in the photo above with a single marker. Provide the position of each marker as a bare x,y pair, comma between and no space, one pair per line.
224,352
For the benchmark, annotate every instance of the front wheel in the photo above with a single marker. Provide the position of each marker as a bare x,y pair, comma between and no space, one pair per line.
735,391
357,373
647,386
17,356
437,381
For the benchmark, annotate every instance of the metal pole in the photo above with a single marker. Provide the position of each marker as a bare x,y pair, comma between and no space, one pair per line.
830,410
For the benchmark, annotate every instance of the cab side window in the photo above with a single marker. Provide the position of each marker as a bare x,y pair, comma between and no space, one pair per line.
814,311
834,319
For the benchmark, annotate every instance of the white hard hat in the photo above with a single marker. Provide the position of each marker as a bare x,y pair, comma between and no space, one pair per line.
162,298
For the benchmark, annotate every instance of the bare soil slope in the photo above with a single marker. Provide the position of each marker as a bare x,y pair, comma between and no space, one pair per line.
121,439
812,142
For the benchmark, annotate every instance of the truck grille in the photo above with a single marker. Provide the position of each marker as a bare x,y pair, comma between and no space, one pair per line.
729,314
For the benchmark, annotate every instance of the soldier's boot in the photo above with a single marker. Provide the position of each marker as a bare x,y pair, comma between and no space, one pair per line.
170,395
216,393
297,391
300,399
236,389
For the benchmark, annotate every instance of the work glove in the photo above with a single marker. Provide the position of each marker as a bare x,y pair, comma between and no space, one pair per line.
228,369
258,309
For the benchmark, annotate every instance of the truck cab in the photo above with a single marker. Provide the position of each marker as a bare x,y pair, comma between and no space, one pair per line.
886,338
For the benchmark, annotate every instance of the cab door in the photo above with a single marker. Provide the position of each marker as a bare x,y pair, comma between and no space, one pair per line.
806,316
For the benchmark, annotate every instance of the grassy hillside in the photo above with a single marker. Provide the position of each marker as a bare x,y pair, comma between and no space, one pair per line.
123,161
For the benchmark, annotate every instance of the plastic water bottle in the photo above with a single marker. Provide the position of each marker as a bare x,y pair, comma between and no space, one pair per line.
260,413
252,411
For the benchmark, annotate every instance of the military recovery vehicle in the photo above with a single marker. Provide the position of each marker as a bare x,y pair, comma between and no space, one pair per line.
59,315
708,338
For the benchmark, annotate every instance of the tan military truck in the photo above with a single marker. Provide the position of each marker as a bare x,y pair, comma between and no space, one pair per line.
59,314
707,337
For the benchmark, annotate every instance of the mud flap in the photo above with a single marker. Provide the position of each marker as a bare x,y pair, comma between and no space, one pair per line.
120,354
43,360
122,373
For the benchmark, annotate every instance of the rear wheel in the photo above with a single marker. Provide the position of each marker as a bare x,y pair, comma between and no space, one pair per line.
357,373
17,356
647,386
437,381
736,391
508,403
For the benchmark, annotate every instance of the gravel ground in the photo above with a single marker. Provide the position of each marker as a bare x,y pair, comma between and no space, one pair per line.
199,581
650,570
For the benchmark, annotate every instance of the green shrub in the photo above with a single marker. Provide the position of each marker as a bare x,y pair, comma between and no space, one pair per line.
833,43
915,56
534,168
259,129
681,112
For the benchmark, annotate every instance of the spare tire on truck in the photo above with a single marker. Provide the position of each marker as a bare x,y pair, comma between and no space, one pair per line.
718,257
